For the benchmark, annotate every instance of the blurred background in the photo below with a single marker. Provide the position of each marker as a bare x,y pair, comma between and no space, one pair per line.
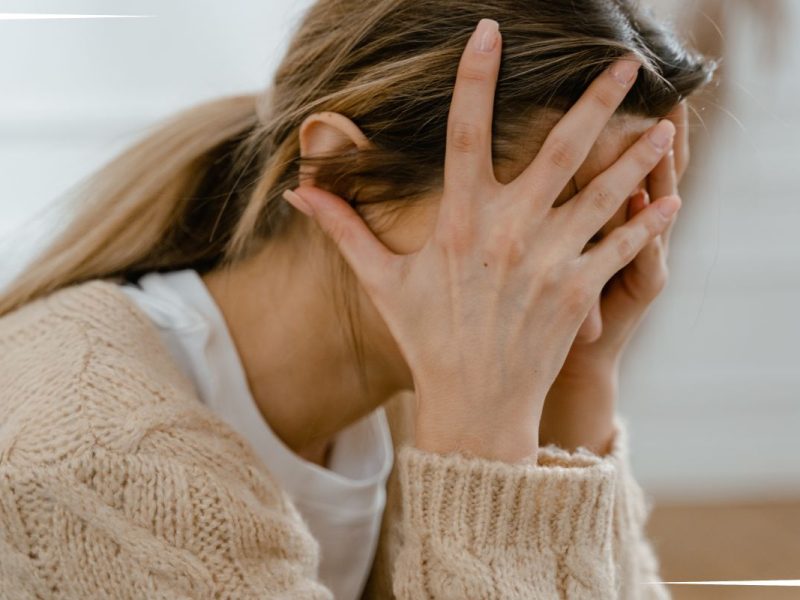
711,385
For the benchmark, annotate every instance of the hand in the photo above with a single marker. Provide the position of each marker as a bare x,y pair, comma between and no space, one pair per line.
579,409
485,312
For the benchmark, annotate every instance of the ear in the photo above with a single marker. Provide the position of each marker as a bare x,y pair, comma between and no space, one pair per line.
326,132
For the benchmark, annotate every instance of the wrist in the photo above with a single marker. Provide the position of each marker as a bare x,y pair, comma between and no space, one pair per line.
502,427
590,367
505,444
580,412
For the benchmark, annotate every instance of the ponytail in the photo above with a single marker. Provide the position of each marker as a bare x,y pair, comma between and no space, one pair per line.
164,203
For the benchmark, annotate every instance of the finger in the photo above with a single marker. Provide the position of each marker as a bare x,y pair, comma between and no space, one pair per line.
646,263
570,141
468,152
680,118
663,181
644,275
622,245
631,293
601,198
666,235
631,290
366,254
637,204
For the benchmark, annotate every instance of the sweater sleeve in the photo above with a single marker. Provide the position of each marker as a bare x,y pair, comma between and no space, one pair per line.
636,564
569,526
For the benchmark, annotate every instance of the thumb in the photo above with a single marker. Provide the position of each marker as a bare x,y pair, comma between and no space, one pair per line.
365,253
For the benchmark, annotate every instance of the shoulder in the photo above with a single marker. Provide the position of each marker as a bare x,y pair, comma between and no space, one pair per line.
106,453
84,368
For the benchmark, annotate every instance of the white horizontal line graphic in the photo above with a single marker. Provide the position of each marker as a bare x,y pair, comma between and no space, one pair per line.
763,583
45,16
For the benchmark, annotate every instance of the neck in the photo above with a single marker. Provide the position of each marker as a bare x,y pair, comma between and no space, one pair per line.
292,342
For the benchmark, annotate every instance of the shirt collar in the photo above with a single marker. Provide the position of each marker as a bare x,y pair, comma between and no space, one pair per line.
195,330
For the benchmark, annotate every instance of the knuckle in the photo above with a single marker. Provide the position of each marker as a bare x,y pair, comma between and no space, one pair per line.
514,252
605,98
646,157
552,279
506,247
601,198
464,136
625,246
569,284
655,226
579,294
562,154
472,73
454,238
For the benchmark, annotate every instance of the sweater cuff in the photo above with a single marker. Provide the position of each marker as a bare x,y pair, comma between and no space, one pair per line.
632,503
558,511
637,565
617,454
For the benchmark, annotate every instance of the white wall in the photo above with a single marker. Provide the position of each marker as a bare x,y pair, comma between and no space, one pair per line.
73,93
712,384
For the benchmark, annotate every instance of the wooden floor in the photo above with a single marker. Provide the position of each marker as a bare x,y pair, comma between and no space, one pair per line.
728,542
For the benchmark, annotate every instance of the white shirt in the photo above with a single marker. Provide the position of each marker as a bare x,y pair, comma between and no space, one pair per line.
342,504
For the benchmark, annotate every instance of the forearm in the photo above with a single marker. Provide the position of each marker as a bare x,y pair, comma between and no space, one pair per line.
580,410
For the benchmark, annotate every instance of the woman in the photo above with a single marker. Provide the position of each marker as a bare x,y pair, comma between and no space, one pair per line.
194,375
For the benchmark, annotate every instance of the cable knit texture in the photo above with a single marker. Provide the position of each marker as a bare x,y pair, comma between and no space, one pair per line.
117,482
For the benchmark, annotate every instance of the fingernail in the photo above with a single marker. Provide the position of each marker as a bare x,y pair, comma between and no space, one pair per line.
662,135
646,197
298,202
624,71
485,36
668,206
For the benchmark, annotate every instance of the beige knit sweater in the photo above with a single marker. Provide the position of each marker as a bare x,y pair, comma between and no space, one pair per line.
117,482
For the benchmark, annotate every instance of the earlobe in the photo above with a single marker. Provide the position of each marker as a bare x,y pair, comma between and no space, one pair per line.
327,132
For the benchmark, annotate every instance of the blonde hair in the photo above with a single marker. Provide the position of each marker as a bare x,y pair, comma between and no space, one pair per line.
204,188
